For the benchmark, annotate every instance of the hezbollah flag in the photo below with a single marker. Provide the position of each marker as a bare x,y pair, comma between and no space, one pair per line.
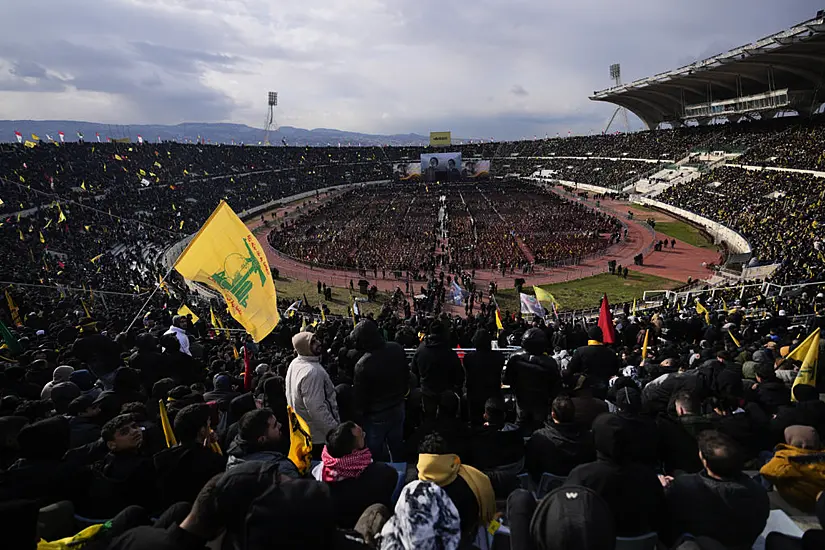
227,257
807,372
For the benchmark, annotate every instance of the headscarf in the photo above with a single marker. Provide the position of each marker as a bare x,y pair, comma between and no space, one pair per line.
443,469
348,466
425,519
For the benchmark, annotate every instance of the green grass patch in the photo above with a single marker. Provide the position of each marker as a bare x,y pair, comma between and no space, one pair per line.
587,293
685,233
294,289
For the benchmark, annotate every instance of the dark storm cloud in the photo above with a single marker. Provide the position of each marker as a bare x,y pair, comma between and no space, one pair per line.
518,90
366,65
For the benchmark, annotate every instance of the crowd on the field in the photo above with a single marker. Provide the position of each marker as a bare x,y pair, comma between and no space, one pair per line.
779,213
428,449
398,228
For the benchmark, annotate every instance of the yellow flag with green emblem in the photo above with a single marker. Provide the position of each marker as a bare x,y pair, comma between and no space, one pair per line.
807,372
227,257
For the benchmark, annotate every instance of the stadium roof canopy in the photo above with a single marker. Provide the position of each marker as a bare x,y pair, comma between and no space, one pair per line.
792,60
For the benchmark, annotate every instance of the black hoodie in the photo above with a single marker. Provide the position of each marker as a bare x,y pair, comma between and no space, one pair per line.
382,375
533,376
632,491
437,365
557,449
183,470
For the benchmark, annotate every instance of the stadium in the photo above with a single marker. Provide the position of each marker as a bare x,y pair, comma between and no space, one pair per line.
480,328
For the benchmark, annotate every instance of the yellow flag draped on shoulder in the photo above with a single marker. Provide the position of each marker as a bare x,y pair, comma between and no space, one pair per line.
227,257
807,372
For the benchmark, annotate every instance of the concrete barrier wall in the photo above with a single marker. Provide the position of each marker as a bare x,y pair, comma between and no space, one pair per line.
736,243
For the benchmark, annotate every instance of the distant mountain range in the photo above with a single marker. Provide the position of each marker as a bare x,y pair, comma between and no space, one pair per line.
213,132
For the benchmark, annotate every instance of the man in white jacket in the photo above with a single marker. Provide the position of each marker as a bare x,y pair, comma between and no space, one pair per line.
178,328
309,390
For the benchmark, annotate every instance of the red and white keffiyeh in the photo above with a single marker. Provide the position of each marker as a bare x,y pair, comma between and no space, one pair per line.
347,467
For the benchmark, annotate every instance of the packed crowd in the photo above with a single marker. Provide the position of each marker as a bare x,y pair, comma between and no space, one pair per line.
400,451
398,228
613,174
778,213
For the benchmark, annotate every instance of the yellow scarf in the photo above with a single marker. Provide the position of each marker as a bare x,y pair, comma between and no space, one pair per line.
594,343
443,469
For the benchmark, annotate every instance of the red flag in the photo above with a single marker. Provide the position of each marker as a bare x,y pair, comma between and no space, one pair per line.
606,322
247,369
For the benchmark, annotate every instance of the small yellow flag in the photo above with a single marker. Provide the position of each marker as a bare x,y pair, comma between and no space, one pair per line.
118,157
62,217
644,345
83,186
96,258
807,372
735,341
544,296
29,144
184,310
35,137
166,425
42,238
227,257
499,325
702,309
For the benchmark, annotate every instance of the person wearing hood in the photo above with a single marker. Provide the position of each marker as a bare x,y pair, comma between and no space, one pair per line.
483,367
381,381
186,467
126,388
807,411
469,489
146,359
355,481
497,445
561,444
309,390
223,394
598,362
60,374
534,378
797,469
259,436
719,502
85,380
178,329
99,352
437,367
238,407
632,490
83,423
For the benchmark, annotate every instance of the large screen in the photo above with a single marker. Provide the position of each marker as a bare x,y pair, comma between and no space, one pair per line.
441,166
474,169
406,171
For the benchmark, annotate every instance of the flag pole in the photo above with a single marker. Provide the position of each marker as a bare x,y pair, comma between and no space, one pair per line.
149,299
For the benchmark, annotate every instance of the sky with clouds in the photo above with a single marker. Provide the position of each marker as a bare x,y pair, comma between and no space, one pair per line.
483,68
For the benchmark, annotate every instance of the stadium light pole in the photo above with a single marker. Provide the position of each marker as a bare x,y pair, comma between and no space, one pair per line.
269,124
616,77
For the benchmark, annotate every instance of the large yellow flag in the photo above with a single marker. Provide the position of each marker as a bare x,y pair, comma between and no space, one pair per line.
15,313
807,372
184,310
801,350
227,257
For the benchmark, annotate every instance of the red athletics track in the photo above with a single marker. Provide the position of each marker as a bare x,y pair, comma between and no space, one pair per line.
680,263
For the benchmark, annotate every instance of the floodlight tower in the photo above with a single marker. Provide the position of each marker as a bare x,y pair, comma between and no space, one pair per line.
270,125
616,77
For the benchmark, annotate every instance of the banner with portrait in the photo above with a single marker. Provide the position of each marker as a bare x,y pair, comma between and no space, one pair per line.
475,169
441,166
406,171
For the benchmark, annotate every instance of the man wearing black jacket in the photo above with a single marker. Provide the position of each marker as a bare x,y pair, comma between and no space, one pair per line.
186,467
437,367
561,444
380,382
534,378
483,368
720,502
597,362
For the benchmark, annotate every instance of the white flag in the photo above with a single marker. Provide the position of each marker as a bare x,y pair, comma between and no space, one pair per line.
97,135
529,304
140,139
19,136
61,136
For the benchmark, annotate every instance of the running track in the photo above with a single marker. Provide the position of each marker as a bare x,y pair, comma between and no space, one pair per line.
680,263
